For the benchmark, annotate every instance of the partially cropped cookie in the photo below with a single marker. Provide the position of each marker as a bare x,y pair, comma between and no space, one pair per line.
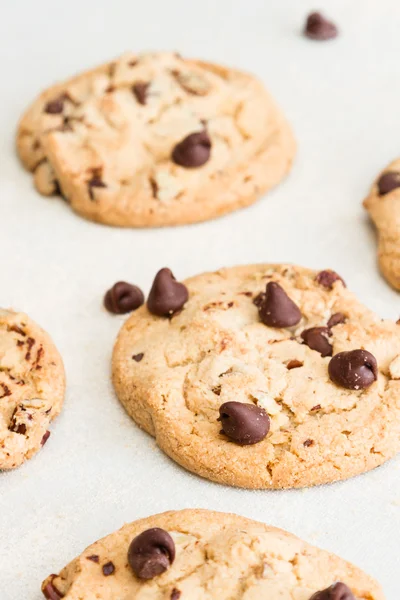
156,139
262,376
32,385
199,554
383,205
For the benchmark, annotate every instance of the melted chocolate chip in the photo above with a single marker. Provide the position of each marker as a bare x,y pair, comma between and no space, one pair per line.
56,106
316,338
140,89
327,278
138,357
336,319
176,594
193,151
354,370
108,569
94,558
167,295
294,364
275,307
50,591
95,182
337,591
151,553
388,182
45,438
123,298
244,424
319,28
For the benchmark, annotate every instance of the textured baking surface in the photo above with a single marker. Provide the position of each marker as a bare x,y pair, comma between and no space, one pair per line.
98,470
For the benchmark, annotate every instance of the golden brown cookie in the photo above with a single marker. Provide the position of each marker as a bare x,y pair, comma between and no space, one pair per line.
262,376
204,555
32,386
155,139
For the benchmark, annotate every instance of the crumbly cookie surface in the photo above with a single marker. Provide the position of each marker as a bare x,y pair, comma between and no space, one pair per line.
217,350
32,386
106,140
383,205
217,555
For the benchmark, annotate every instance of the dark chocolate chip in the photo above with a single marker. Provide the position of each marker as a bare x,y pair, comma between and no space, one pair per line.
294,364
308,443
151,553
123,298
56,106
388,182
167,295
319,28
45,438
276,309
176,594
316,338
95,182
354,370
50,591
94,558
336,319
337,591
108,569
140,90
244,424
138,357
193,151
327,278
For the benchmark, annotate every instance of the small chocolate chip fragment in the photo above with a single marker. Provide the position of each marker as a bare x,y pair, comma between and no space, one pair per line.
337,591
151,553
317,338
308,443
95,182
327,278
319,28
45,438
336,319
354,370
56,106
167,295
138,357
123,298
108,569
50,591
176,594
388,182
275,307
193,151
294,364
244,424
140,89
94,558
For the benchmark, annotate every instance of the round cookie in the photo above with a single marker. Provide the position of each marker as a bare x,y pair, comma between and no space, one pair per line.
322,415
201,554
155,139
383,205
32,386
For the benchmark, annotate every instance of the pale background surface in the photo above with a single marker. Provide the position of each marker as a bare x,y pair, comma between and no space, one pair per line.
342,97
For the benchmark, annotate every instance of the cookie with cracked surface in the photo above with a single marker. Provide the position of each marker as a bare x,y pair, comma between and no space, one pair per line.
383,205
323,371
32,386
155,139
193,554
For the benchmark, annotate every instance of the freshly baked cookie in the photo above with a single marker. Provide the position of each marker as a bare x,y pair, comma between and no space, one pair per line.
155,139
262,376
383,205
199,554
32,385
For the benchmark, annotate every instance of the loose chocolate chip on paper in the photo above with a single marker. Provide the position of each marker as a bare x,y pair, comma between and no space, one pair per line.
354,370
193,151
151,553
327,278
319,28
123,297
108,569
336,319
140,89
388,182
244,424
275,307
337,591
316,338
138,357
167,295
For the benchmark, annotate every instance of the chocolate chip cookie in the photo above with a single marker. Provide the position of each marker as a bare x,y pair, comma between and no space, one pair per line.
155,139
197,554
32,385
383,205
263,376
